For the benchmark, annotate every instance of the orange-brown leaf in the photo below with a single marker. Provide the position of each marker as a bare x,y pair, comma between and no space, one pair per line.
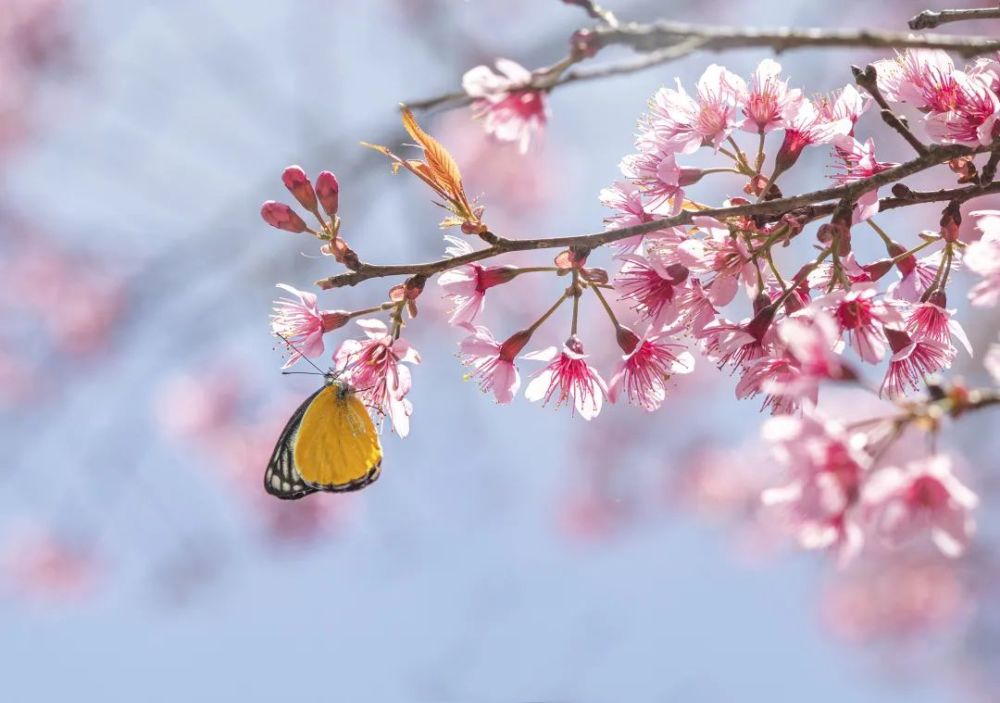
445,170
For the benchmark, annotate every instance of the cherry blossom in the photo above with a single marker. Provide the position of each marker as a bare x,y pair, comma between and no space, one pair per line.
492,362
301,324
982,257
647,364
510,111
374,367
569,378
767,98
923,496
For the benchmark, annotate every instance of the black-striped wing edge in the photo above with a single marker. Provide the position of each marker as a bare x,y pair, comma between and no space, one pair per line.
282,479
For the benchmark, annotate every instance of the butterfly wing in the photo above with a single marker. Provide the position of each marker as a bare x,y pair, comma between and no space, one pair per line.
336,447
281,479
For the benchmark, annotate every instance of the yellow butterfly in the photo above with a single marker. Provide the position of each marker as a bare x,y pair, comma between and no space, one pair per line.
329,444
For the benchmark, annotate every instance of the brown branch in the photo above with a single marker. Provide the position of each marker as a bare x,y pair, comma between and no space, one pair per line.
657,35
928,19
936,154
868,79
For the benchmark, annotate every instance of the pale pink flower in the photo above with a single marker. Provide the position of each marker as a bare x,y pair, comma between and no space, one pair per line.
861,317
982,257
917,274
650,287
973,120
722,255
678,122
846,104
694,307
859,162
656,172
826,466
492,362
511,111
912,360
466,287
923,496
767,98
771,375
568,378
301,323
924,78
931,320
805,126
646,366
740,344
626,200
374,367
812,338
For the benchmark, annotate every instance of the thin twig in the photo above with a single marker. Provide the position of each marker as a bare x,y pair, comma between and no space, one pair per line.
660,34
928,19
868,79
667,41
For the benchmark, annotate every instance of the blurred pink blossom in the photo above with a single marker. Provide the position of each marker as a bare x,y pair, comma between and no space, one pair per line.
511,112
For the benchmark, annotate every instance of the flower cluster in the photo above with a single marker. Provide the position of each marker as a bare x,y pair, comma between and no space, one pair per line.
690,279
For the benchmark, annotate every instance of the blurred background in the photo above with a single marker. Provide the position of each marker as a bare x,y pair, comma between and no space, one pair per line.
507,554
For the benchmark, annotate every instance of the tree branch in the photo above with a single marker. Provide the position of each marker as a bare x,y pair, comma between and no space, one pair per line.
936,154
928,19
665,41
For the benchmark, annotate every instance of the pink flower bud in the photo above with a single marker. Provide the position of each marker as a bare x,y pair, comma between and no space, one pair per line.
496,275
627,339
282,216
297,182
334,319
898,340
514,344
584,43
328,191
951,219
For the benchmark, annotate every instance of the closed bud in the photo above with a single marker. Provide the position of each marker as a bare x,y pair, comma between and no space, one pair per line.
334,319
627,339
282,216
951,219
297,182
514,344
877,269
328,192
595,275
584,44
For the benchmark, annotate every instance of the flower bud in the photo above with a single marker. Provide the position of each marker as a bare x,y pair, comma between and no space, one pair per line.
584,44
627,339
497,275
282,216
297,182
514,344
951,219
334,319
328,192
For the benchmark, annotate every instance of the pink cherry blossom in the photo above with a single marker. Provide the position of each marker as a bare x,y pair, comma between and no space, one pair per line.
912,361
569,378
917,275
466,287
767,98
924,78
678,122
373,366
825,466
982,257
492,362
721,255
861,317
923,496
656,172
845,104
301,323
630,209
859,162
931,320
646,367
973,120
805,125
511,112
650,287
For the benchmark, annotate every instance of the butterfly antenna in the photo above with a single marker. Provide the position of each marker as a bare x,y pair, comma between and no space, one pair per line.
301,355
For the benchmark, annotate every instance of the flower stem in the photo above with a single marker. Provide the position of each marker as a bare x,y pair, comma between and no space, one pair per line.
547,314
604,302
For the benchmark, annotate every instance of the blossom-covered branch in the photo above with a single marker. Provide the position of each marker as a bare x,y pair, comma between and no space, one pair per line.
679,266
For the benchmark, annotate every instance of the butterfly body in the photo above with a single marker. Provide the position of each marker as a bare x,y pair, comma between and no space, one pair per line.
329,444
